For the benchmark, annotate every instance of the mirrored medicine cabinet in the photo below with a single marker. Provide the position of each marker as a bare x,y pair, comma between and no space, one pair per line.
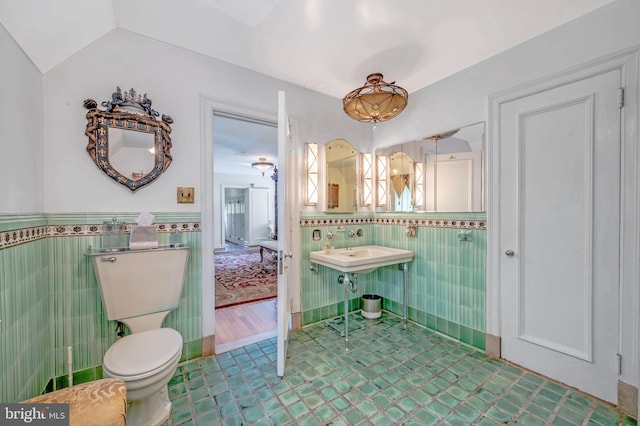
439,173
341,177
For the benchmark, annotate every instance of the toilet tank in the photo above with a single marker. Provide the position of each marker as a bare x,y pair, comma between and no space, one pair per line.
139,282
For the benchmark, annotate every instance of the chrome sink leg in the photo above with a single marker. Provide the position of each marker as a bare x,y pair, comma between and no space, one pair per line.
405,267
346,312
344,279
350,283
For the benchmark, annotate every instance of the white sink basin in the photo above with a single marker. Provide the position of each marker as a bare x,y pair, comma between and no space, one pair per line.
361,259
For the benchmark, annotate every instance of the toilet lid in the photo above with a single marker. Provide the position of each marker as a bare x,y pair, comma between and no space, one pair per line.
143,352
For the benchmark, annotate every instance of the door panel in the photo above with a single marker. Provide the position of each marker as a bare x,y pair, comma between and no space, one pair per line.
560,192
284,234
565,130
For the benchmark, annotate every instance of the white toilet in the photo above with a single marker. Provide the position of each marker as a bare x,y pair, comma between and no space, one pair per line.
139,288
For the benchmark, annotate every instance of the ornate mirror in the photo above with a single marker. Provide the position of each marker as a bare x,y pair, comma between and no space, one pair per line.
126,141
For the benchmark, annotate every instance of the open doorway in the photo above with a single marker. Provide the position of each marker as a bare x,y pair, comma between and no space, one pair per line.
244,218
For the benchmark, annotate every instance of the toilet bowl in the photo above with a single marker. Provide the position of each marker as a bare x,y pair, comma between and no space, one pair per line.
145,361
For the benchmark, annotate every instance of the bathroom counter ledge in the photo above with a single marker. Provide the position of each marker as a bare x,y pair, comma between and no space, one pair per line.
101,252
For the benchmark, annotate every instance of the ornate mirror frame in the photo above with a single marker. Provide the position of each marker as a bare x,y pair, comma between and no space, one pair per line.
127,111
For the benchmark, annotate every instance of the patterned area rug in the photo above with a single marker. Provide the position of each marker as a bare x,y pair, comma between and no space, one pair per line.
241,278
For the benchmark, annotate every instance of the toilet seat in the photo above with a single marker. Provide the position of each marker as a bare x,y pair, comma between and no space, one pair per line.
141,355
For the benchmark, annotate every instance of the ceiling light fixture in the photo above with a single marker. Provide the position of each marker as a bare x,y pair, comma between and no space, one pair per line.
262,164
376,101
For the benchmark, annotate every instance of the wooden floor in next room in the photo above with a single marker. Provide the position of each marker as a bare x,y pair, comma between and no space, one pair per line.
241,325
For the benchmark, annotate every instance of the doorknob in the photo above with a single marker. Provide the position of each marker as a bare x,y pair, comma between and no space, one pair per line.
283,256
509,253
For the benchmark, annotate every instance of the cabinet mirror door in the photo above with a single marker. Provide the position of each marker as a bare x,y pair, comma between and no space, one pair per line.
341,176
402,182
440,173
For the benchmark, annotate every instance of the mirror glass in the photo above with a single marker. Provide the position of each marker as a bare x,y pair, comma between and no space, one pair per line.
131,152
401,180
341,176
446,173
126,141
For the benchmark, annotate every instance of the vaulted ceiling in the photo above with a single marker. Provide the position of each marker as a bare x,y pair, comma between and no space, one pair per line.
329,46
325,45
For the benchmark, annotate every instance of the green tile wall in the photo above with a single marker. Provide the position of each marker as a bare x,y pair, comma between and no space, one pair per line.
50,281
24,311
48,290
446,280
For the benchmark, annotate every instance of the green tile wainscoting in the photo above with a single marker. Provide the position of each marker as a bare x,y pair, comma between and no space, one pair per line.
446,279
46,279
25,366
48,292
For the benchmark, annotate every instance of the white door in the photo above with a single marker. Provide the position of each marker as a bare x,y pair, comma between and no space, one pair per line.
284,233
559,232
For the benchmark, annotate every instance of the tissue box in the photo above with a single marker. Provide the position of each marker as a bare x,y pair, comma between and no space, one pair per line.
143,237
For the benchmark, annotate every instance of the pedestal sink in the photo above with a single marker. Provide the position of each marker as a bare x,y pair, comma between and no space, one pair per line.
363,259
360,259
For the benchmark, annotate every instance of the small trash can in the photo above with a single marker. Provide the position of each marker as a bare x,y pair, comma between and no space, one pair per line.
371,306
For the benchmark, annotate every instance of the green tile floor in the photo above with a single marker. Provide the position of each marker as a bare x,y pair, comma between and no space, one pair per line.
388,377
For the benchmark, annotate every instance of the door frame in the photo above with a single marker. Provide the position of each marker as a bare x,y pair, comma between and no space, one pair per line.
208,107
629,294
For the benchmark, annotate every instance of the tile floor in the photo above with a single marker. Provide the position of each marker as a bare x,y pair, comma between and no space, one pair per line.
388,377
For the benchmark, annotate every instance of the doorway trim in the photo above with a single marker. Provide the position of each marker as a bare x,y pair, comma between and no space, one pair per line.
210,105
628,317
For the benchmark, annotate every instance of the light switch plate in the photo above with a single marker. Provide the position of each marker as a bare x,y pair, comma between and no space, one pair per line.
185,195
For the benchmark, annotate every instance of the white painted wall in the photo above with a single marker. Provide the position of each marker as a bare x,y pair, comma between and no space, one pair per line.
174,79
461,99
21,129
